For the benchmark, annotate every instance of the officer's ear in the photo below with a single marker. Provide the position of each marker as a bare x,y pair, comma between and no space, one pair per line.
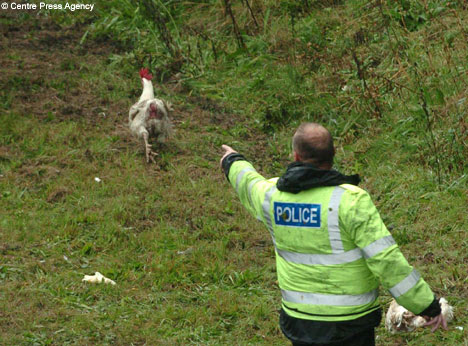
296,156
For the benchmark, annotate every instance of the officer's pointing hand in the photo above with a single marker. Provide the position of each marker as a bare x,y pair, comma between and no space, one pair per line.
436,322
227,150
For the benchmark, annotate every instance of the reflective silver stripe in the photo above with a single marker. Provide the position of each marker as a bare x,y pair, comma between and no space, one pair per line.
378,246
329,299
241,174
405,285
266,210
321,259
251,184
333,224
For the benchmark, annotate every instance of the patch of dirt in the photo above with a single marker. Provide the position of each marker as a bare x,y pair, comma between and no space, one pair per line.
6,248
41,67
5,153
212,113
57,195
37,174
428,258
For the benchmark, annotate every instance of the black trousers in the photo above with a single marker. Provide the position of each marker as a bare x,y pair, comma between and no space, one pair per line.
364,338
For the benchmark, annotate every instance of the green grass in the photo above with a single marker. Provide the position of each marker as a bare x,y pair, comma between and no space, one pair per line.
191,266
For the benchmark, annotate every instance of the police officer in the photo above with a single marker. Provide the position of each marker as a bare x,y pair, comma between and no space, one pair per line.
332,248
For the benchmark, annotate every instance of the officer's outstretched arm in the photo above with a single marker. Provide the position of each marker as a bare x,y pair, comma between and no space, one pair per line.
248,183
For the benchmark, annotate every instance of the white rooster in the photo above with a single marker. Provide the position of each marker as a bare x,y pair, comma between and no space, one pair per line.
149,117
400,320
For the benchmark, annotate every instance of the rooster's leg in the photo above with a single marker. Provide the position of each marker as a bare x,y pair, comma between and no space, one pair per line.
150,154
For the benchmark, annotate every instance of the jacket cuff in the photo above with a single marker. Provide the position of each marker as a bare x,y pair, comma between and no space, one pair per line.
432,310
229,160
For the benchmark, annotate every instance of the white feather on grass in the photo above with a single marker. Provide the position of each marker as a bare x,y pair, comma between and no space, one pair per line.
98,277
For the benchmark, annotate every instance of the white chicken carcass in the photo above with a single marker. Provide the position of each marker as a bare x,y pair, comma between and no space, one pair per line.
400,320
149,117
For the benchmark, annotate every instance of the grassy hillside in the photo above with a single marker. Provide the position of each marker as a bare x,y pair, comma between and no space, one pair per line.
388,78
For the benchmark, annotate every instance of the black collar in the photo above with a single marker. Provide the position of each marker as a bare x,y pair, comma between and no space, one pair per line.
302,176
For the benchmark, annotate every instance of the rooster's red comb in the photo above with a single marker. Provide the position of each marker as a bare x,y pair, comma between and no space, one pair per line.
144,73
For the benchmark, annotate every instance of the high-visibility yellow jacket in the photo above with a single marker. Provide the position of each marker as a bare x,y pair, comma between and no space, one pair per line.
332,249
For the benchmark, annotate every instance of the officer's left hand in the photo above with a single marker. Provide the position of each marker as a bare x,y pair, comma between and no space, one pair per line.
227,150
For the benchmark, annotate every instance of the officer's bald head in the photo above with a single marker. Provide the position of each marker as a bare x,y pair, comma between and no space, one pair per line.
313,144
